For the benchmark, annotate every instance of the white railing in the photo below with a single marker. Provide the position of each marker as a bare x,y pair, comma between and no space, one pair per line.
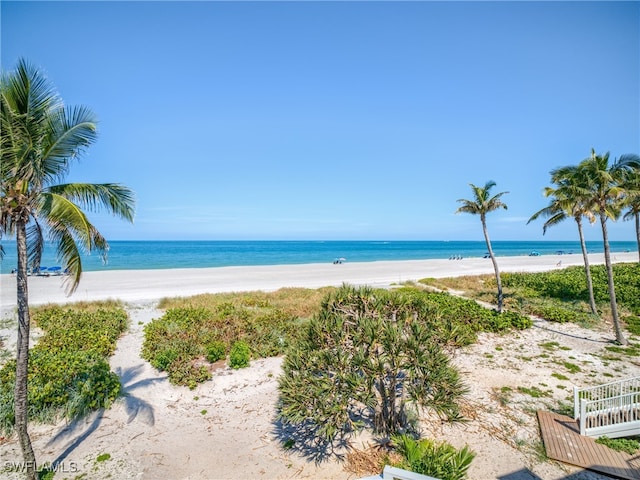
612,409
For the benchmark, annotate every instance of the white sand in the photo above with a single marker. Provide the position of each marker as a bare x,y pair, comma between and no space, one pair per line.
224,428
148,285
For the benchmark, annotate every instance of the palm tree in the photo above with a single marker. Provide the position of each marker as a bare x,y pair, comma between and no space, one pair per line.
482,204
40,139
632,188
566,202
603,183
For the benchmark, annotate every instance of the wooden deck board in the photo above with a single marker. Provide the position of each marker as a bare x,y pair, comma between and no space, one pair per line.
563,442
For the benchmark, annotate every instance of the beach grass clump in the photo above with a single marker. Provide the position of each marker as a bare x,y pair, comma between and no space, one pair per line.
297,302
69,373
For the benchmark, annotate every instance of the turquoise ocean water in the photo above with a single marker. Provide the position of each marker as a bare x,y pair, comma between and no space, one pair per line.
137,255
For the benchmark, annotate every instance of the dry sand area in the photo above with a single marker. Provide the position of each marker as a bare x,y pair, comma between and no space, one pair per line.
225,429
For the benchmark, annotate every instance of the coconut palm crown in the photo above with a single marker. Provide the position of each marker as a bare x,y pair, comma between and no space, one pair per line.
569,200
482,204
603,183
632,202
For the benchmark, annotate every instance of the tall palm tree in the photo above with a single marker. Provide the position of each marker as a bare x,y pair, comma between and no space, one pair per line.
568,200
604,185
40,139
482,204
632,189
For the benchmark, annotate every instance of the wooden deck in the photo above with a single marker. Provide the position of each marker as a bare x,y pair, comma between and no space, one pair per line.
563,442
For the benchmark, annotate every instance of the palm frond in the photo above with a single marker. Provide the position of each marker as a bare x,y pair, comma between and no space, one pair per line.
114,198
70,131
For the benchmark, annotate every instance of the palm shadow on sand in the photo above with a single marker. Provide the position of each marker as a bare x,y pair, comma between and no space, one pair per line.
79,429
303,439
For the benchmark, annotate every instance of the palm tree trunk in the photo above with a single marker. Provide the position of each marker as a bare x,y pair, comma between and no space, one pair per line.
495,264
612,291
22,361
587,268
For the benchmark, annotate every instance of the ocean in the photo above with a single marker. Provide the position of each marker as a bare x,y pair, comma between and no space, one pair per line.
146,255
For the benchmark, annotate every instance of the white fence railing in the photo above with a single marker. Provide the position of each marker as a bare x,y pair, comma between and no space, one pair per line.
612,409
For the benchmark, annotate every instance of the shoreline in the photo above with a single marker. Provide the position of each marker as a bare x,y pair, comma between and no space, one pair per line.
153,285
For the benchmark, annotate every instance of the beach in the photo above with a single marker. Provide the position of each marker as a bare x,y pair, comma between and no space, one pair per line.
150,285
226,427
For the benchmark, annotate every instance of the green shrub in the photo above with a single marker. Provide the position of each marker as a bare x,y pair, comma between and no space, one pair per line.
239,355
216,351
164,358
69,374
628,445
437,459
555,313
186,373
368,358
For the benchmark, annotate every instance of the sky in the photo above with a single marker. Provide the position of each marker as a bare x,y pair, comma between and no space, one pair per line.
337,120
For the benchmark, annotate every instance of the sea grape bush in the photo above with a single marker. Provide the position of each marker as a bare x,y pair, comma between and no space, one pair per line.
69,374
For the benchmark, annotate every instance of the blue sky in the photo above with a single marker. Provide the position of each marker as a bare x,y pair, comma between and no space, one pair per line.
337,120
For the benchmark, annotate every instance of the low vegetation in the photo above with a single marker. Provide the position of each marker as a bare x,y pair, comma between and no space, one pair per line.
373,358
435,459
69,373
628,445
199,331
558,295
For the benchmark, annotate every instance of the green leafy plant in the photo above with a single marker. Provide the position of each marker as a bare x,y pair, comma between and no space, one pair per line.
628,445
216,350
436,459
239,355
69,374
204,326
